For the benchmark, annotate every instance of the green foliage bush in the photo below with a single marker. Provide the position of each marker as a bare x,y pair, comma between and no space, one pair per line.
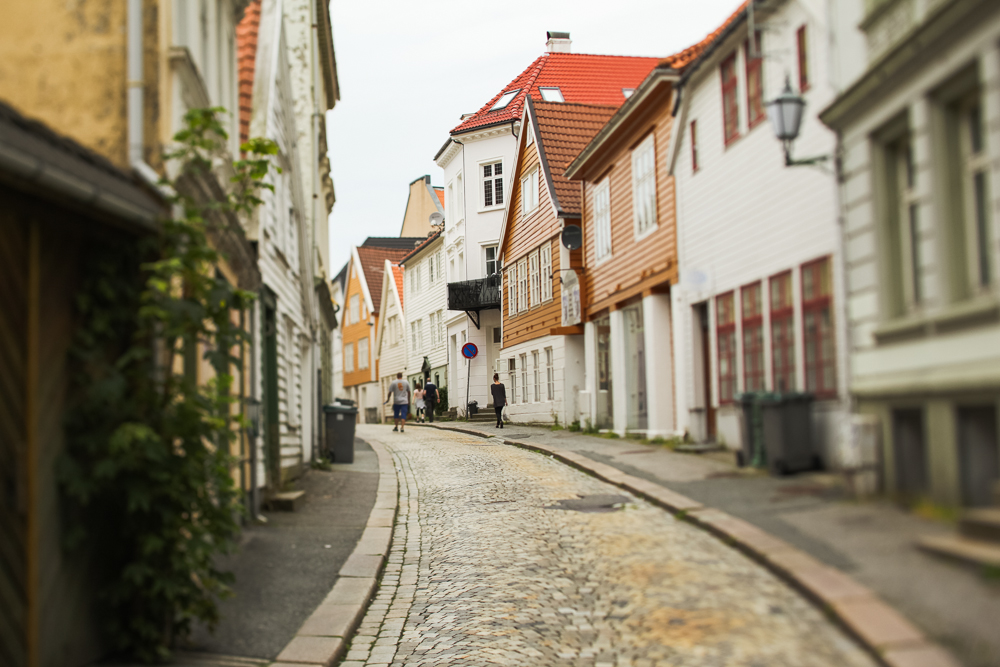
146,477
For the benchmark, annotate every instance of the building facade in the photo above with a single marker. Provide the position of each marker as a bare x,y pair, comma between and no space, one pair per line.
390,341
425,287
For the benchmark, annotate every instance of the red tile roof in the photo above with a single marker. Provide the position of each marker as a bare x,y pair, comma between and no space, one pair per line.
421,246
681,60
565,130
397,273
246,55
373,266
440,195
582,78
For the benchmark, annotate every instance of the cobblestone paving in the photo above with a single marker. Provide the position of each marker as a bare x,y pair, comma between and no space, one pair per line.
488,568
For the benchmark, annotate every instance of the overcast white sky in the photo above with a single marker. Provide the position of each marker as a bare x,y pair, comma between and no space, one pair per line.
408,70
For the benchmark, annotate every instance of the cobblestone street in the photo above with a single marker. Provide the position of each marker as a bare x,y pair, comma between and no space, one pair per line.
507,557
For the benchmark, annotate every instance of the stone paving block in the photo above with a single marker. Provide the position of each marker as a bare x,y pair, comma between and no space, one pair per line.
374,540
351,590
383,518
331,620
385,500
311,650
877,623
923,655
361,565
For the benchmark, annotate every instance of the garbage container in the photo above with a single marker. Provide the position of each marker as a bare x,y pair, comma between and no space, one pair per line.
340,421
786,421
473,407
753,452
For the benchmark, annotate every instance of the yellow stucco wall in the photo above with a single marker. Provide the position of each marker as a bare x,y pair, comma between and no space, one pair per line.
419,206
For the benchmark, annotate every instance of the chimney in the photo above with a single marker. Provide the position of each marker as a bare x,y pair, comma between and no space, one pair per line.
558,42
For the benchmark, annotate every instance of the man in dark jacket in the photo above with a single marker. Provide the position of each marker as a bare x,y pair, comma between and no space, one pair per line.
430,398
499,398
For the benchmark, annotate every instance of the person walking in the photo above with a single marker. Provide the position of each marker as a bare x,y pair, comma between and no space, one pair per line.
399,394
431,398
499,398
418,400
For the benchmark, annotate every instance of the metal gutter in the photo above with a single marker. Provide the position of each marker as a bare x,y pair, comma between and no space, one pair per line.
136,101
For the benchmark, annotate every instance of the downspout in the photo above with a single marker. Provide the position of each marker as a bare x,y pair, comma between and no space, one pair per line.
135,100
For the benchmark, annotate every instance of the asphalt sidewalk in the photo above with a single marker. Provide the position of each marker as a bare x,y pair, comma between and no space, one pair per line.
872,541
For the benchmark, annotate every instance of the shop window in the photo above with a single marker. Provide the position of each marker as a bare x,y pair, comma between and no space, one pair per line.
753,337
817,328
725,331
782,332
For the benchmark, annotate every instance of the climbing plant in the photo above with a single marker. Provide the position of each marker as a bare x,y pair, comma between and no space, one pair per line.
147,474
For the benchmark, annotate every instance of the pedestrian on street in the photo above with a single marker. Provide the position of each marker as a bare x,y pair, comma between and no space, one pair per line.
399,394
418,400
499,398
431,398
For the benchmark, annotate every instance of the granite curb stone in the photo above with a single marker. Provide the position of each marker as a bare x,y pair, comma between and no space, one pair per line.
883,631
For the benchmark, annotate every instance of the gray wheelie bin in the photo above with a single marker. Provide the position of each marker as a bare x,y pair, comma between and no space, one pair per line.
340,420
786,421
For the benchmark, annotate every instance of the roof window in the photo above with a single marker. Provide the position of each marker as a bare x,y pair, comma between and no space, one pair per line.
505,99
627,92
551,94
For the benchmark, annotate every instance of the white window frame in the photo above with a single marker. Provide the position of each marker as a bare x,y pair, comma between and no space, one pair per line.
535,288
413,337
486,258
483,179
522,286
551,94
512,378
524,377
602,220
545,266
440,324
430,270
537,371
529,193
348,357
550,375
364,353
354,309
512,306
644,214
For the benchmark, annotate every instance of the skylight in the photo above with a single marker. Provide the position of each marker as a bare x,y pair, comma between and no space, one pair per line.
505,99
627,92
551,94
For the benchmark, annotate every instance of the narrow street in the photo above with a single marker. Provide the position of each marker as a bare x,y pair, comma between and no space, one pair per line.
506,557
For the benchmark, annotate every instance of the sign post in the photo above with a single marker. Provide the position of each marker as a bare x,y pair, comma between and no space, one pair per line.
469,351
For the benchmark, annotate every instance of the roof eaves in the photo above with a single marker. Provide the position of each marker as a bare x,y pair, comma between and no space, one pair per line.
420,248
542,159
444,147
706,55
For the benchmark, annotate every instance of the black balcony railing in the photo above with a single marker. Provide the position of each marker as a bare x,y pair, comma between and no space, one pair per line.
473,296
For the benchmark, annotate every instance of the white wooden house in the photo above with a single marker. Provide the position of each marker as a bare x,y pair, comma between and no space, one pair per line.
425,287
390,342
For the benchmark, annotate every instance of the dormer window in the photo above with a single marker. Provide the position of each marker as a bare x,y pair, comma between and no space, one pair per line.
627,92
505,99
551,95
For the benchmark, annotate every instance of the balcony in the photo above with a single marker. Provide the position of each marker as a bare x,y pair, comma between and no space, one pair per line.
474,296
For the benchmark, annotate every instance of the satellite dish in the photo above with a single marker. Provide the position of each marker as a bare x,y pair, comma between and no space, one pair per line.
436,219
572,237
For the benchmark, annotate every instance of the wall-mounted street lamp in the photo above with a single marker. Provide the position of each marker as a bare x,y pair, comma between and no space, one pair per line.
785,112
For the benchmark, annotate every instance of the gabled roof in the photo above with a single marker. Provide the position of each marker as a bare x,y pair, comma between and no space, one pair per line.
690,59
439,191
246,57
563,130
420,248
394,242
373,269
582,79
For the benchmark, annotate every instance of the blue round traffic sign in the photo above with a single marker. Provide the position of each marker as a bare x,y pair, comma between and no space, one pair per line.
469,350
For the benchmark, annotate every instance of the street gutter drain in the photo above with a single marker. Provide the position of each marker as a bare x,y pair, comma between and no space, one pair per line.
591,504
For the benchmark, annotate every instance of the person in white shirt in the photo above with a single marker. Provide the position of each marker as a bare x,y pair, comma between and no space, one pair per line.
399,394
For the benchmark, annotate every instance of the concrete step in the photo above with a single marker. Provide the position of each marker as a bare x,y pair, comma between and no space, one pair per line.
976,552
981,524
287,501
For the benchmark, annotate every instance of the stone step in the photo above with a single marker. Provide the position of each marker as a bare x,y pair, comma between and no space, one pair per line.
981,524
976,552
286,501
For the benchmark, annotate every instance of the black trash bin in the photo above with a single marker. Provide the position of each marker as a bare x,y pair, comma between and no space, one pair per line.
340,420
787,428
753,452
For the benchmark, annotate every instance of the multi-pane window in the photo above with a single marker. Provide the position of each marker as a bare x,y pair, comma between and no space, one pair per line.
493,184
546,271
782,332
550,375
430,270
354,309
512,375
975,186
802,51
440,327
414,343
432,322
644,185
694,145
602,219
512,284
537,372
363,353
534,284
529,193
817,328
725,331
491,260
730,99
439,259
522,285
348,357
753,337
755,80
904,224
524,378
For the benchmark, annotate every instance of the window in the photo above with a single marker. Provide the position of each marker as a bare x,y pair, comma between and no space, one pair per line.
522,285
529,193
439,259
512,375
975,192
753,338
537,371
546,270
363,353
551,95
535,287
512,285
529,135
730,100
430,270
524,378
755,80
627,92
504,100
725,331
364,310
493,184
491,260
802,51
782,332
353,315
440,326
348,357
694,145
644,186
497,336
817,325
433,327
460,192
602,219
902,226
550,375
413,337
292,403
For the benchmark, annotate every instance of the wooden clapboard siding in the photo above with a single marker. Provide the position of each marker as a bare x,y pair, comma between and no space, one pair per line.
524,235
538,320
13,383
634,267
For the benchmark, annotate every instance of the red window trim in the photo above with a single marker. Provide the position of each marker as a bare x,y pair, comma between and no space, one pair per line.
747,323
725,329
694,145
780,316
815,305
731,86
754,65
802,40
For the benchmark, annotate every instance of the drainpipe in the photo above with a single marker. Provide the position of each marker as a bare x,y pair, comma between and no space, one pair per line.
136,102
